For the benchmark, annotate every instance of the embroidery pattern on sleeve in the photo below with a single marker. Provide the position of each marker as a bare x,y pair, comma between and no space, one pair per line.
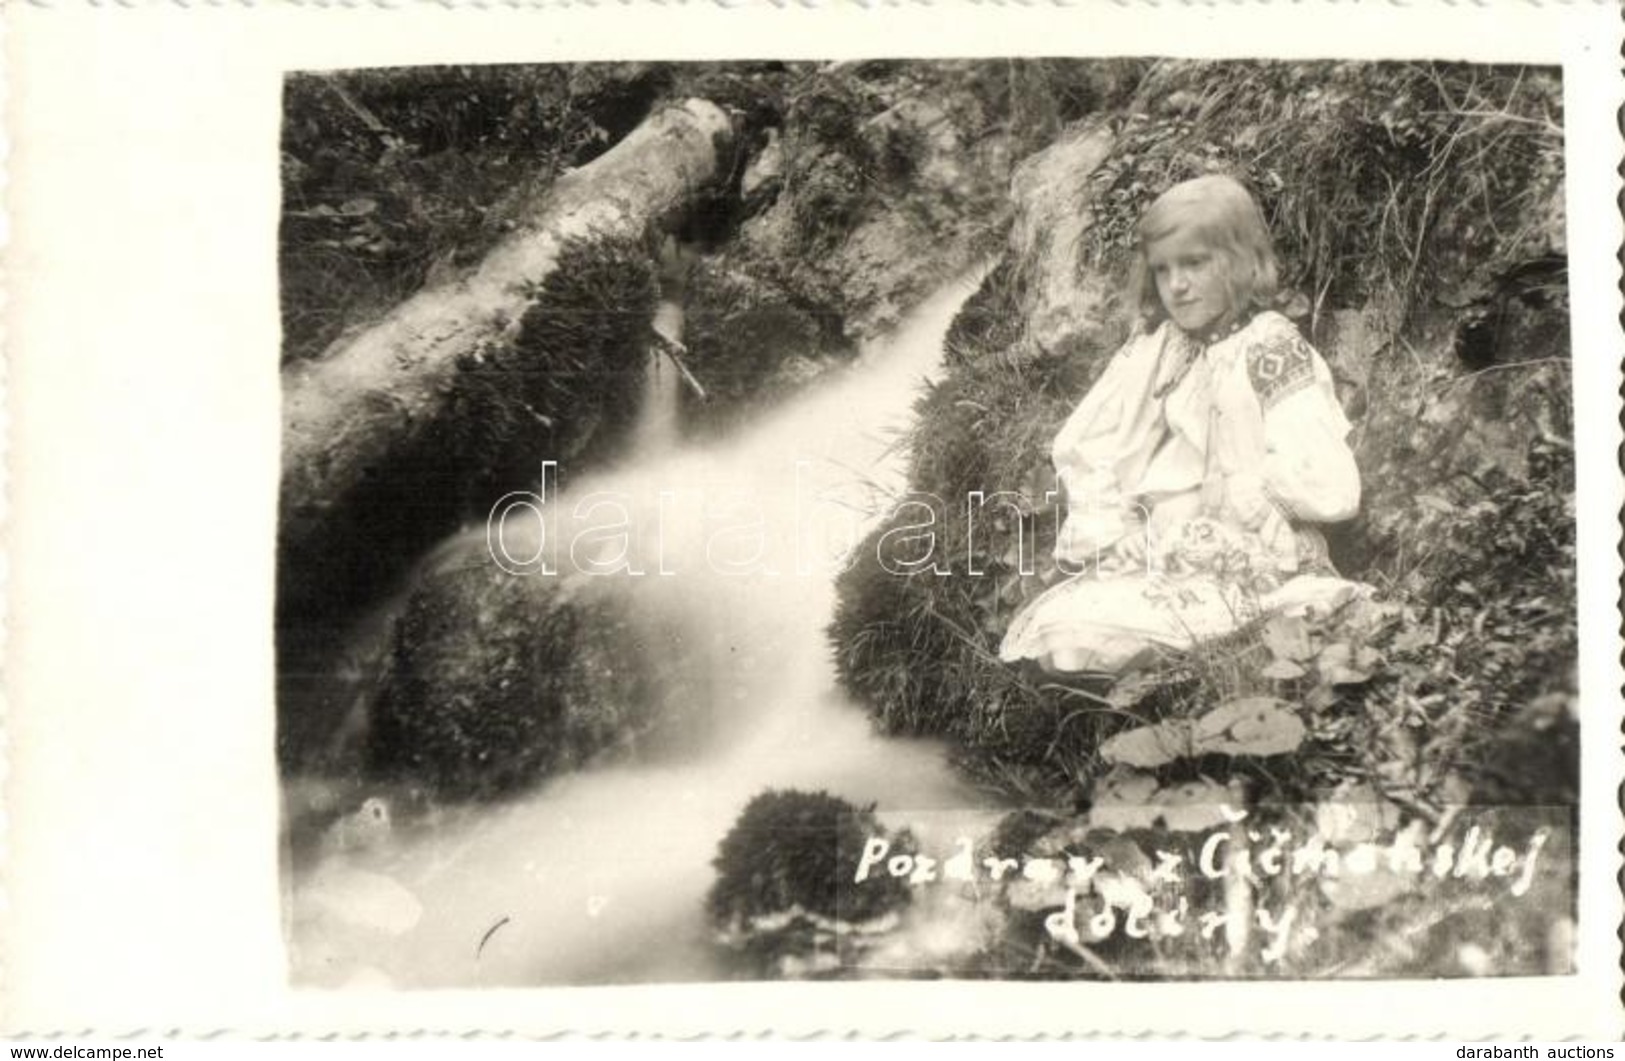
1279,366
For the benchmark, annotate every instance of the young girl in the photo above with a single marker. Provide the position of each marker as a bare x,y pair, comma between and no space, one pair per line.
1198,465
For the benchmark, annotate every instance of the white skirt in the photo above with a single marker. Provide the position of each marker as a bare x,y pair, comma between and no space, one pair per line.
1111,625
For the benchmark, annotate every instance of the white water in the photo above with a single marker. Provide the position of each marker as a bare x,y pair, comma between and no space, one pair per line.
656,428
600,876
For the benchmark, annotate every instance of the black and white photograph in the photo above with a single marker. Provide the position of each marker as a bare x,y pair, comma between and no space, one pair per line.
770,521
995,518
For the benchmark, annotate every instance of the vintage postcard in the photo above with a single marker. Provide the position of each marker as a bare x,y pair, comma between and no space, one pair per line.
954,520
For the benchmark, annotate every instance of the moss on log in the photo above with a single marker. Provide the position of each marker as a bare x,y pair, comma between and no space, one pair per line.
364,424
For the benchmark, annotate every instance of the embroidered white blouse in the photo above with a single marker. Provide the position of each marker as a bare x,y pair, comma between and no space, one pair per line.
1245,429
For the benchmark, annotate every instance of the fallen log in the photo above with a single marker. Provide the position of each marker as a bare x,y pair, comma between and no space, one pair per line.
365,412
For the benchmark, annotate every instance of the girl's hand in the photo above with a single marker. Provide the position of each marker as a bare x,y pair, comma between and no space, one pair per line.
1276,532
1247,499
1130,549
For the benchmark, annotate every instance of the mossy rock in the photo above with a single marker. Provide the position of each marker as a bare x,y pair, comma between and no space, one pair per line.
801,849
1459,441
750,340
496,681
893,182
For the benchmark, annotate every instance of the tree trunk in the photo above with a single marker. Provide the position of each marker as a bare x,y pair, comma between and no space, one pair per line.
350,415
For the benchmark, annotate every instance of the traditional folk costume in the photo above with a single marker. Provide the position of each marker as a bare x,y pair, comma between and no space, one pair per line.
1222,452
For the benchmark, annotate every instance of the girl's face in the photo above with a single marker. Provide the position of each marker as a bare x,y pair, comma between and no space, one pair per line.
1191,280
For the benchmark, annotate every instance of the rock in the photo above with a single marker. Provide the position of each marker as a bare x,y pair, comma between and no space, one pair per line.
495,681
918,137
366,828
746,333
893,181
1351,341
1477,254
1068,305
764,176
786,896
1430,452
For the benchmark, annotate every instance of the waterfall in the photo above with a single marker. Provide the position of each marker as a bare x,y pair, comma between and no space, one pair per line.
656,425
599,876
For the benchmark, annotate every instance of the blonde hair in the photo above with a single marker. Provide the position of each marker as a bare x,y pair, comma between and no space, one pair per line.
1224,214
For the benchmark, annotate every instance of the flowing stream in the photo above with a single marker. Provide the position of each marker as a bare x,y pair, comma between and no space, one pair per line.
599,876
